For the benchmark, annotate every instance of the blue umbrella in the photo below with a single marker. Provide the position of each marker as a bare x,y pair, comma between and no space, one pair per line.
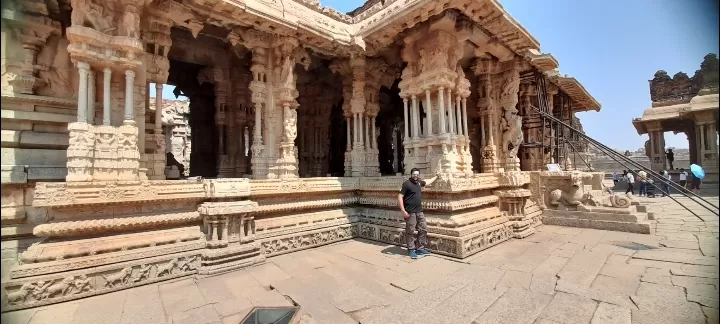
697,171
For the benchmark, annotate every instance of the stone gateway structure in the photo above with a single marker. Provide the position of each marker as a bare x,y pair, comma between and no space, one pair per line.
684,105
300,124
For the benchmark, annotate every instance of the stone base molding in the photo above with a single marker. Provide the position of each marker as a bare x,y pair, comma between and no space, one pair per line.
104,236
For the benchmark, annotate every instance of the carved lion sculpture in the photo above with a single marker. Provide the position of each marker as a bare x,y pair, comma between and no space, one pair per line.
572,197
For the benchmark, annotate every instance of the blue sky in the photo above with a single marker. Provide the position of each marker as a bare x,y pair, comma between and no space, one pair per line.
613,48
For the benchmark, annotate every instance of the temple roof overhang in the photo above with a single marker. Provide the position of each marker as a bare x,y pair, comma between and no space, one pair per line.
698,106
374,27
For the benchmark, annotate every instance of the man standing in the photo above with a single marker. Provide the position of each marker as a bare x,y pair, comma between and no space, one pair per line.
410,202
683,178
631,181
670,157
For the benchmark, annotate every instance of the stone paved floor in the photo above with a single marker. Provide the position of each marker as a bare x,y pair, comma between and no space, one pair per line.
559,275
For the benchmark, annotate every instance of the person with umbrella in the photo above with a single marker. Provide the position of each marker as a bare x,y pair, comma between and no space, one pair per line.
698,174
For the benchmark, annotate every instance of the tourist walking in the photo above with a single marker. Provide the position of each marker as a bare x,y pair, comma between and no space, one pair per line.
630,181
666,183
410,202
683,178
615,178
642,178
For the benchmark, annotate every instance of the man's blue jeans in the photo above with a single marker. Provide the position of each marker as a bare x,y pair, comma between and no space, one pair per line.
666,188
643,188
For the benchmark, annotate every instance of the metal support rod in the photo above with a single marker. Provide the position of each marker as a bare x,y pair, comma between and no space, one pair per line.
610,152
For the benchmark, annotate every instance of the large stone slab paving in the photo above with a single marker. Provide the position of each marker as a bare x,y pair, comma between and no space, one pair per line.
610,298
500,254
658,276
517,305
18,317
544,283
679,244
695,273
621,270
112,305
143,305
516,279
709,245
267,274
625,286
180,296
569,309
611,314
59,314
582,268
416,273
201,315
463,306
707,301
664,304
711,314
312,300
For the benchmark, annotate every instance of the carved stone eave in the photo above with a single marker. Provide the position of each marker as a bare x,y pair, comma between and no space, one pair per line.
542,61
582,100
115,52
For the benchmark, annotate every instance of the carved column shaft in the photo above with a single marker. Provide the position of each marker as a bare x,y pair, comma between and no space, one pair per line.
441,104
129,97
84,70
415,118
451,115
91,98
107,112
406,120
428,111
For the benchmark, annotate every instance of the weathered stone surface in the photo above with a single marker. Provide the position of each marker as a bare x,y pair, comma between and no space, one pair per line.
143,305
568,308
611,314
517,305
582,268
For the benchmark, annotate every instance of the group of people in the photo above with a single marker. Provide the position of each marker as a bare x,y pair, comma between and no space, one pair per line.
641,178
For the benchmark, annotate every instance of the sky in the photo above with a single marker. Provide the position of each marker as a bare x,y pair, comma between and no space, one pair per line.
613,48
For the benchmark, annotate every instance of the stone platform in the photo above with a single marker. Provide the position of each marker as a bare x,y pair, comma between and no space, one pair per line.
559,275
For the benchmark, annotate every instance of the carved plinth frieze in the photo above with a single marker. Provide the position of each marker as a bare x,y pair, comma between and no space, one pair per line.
105,157
128,153
80,152
55,288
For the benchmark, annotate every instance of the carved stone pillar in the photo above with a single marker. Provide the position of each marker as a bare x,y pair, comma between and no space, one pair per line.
512,135
258,87
91,97
129,98
707,151
107,111
357,106
225,162
657,147
156,162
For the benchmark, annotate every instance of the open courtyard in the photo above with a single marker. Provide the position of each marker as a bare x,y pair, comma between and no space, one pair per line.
558,275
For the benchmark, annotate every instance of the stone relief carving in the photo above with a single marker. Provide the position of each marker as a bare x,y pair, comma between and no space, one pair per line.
55,68
99,16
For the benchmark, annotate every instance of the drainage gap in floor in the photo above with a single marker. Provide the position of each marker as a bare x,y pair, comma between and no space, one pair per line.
271,315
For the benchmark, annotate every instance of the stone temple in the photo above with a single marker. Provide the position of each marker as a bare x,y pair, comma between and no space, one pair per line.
300,125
